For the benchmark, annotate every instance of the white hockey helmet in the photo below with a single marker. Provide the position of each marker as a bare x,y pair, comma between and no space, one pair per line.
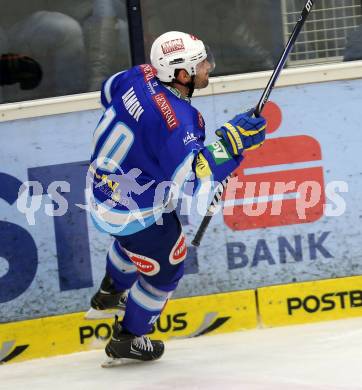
177,50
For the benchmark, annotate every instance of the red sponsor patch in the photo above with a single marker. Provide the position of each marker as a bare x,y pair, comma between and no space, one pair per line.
193,37
144,264
173,46
201,120
179,250
166,110
149,72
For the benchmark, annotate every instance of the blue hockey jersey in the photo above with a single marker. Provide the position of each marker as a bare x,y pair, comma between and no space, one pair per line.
145,146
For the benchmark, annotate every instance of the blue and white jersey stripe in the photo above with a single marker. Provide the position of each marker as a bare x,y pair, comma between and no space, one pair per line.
147,300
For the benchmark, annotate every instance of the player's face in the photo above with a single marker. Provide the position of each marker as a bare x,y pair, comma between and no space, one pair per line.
202,74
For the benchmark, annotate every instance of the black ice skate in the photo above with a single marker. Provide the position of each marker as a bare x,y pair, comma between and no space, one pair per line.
124,346
107,302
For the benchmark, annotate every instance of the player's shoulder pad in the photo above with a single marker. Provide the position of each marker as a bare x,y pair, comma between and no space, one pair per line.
147,71
175,112
109,86
134,75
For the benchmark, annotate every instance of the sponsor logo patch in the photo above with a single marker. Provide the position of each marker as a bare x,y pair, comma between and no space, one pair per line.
200,120
219,152
166,110
190,137
179,250
173,46
151,87
149,72
202,167
144,264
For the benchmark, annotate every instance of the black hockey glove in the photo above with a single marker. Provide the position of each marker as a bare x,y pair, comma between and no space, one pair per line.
16,68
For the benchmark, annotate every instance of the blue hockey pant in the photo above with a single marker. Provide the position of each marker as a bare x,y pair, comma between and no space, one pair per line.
149,264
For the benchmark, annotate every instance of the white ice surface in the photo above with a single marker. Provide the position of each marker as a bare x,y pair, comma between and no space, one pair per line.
323,356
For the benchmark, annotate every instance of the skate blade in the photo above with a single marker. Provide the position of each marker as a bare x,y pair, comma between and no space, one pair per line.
93,314
117,362
113,362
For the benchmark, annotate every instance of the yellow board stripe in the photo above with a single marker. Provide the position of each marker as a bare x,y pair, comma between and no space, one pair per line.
288,304
310,301
185,317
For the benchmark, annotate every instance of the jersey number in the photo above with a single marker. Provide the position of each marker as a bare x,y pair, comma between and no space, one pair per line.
117,143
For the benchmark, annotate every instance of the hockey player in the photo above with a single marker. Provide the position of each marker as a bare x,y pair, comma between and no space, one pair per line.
150,134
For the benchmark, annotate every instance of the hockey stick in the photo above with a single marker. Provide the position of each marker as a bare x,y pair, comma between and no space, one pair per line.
258,109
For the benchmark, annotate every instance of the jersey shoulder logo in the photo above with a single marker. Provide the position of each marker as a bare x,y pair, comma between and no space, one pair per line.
189,137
